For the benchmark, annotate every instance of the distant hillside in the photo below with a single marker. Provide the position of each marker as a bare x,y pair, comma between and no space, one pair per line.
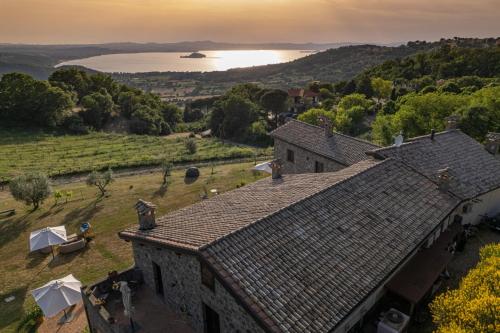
39,60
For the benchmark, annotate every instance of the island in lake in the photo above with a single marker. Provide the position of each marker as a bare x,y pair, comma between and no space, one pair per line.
194,55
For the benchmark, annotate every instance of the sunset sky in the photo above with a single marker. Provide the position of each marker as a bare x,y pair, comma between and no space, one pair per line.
98,21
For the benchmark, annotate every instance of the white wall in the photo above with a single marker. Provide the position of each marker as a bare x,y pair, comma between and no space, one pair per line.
488,203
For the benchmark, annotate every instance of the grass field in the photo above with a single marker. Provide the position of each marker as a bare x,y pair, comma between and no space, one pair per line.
21,151
22,271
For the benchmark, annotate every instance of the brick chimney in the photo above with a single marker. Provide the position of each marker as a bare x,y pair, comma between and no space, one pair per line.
327,125
146,214
452,122
492,143
444,179
276,167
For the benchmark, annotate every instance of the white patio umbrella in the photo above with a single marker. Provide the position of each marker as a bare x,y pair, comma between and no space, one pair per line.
45,237
57,295
265,166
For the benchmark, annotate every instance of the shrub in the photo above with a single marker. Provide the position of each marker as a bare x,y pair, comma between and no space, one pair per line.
191,146
100,180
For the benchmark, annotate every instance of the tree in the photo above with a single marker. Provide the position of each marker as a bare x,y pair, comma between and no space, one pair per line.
146,120
364,86
32,188
381,88
98,107
235,114
274,101
172,114
100,180
349,88
30,102
312,116
166,167
473,307
476,122
382,132
57,196
72,79
352,100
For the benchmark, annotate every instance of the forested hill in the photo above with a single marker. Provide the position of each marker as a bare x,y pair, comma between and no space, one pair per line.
447,61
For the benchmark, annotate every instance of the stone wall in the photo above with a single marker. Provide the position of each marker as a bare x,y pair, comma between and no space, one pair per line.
304,159
184,292
97,315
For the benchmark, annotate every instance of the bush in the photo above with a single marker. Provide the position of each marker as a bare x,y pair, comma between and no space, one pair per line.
191,145
473,307
74,124
191,115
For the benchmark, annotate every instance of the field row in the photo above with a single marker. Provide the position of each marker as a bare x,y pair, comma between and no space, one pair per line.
58,155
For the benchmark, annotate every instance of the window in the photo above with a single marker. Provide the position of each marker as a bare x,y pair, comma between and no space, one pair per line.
467,208
290,155
318,167
207,277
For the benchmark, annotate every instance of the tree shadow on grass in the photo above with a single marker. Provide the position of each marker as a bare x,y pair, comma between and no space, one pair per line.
161,191
35,258
83,214
12,227
190,180
12,311
65,258
52,211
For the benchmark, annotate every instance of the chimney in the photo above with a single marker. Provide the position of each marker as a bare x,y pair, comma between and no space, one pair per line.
444,179
433,134
276,167
327,124
452,122
146,214
492,142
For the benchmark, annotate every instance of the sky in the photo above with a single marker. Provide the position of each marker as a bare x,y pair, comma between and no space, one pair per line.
377,21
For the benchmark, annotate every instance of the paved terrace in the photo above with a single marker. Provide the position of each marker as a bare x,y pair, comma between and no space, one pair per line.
151,314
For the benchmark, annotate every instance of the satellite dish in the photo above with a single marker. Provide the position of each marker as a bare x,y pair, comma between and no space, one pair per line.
398,140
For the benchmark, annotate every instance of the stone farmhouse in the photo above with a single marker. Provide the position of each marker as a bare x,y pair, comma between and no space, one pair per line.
306,252
305,148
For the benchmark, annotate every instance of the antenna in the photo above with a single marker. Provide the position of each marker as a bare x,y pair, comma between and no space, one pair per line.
398,140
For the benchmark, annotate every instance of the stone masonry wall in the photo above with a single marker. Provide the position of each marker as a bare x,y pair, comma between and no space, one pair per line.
304,159
184,292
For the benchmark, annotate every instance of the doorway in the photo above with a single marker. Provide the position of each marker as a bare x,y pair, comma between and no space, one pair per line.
158,279
212,324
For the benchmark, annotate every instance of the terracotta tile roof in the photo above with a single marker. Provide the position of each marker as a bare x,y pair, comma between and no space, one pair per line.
295,92
306,267
342,148
309,93
474,171
209,220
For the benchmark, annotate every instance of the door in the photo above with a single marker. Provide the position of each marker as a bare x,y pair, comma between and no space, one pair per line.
212,324
158,279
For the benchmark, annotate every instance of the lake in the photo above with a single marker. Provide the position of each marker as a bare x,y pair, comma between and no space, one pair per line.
172,61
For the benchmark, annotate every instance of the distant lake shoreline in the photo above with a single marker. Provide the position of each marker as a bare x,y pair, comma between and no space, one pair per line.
178,62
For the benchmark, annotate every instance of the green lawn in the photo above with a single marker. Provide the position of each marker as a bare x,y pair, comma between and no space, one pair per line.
22,271
27,150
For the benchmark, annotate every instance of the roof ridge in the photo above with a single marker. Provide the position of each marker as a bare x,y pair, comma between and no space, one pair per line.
374,164
334,132
417,139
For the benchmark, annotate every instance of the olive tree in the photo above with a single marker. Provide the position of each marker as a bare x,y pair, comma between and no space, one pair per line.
166,167
100,180
32,188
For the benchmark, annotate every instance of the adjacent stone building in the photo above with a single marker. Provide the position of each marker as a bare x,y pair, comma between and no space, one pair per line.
305,148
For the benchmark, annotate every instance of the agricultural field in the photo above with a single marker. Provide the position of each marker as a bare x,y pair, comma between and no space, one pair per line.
23,271
22,151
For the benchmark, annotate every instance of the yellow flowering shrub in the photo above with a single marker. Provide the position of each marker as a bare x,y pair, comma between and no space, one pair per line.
475,306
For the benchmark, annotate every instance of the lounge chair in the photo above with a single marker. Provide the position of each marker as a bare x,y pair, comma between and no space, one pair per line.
72,246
